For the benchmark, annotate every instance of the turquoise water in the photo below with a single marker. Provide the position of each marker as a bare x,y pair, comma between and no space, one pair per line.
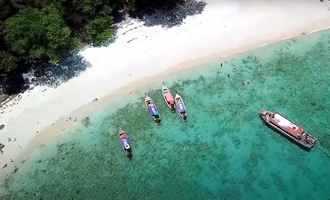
223,151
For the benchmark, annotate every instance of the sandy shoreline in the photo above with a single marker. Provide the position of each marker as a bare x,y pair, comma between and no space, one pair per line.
155,53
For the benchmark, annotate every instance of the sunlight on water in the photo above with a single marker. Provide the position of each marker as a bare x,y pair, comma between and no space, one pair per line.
223,151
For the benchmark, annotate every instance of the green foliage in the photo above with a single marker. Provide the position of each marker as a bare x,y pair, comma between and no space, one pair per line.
78,13
38,33
7,62
99,30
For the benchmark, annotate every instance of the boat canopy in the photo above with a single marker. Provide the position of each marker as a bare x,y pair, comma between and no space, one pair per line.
153,109
288,126
283,122
169,98
181,108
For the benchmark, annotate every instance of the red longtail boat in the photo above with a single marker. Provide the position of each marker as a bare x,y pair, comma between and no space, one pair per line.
168,98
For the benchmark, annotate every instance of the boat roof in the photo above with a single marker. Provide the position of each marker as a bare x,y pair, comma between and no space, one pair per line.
290,127
181,107
283,122
153,109
169,97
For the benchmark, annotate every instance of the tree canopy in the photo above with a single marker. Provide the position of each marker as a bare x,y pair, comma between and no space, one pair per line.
38,33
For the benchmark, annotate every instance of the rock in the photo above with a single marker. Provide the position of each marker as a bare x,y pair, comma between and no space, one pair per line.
2,126
86,121
1,147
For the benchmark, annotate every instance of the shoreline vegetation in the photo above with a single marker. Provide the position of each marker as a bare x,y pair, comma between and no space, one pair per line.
38,37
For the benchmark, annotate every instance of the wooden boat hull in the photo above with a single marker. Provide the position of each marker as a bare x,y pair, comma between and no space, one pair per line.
301,143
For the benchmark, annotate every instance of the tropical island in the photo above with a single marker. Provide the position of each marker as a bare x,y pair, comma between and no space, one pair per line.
141,99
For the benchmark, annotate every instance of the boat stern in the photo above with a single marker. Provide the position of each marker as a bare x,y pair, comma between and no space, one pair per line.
172,107
157,119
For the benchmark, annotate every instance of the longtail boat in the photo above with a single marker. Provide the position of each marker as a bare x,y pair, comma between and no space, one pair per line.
180,107
168,98
289,129
125,143
152,109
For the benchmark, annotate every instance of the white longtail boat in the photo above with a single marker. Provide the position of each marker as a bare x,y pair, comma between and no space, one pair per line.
180,107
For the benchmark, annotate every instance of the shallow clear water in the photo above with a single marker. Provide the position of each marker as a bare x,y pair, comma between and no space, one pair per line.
223,151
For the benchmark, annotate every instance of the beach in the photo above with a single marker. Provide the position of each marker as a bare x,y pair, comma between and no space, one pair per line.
142,55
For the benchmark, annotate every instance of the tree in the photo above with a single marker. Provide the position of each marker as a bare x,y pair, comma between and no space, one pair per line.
38,34
99,30
7,62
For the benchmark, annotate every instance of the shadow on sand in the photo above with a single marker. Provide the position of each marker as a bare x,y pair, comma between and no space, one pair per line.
174,16
44,74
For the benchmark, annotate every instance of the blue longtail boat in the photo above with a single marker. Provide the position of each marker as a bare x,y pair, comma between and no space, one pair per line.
152,109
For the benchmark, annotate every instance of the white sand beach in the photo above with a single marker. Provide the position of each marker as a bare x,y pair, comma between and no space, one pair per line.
223,29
